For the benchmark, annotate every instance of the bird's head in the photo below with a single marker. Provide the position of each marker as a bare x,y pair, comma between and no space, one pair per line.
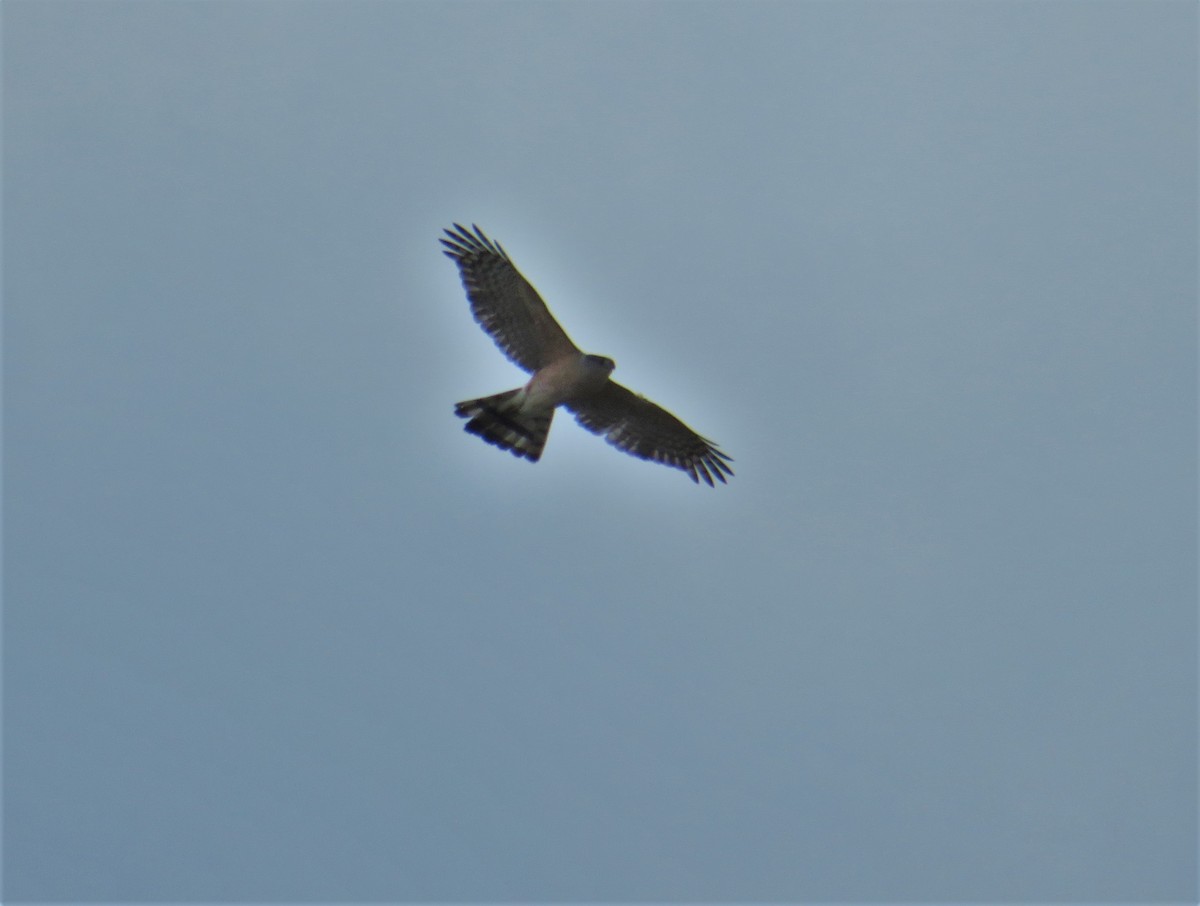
600,363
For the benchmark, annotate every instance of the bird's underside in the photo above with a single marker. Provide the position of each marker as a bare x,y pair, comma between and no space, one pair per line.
512,313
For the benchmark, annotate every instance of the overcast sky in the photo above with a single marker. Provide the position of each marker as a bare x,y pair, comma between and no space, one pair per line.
276,629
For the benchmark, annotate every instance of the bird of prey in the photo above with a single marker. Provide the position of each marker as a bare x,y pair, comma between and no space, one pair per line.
510,310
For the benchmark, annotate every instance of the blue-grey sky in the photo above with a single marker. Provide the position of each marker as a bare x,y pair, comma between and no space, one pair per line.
276,629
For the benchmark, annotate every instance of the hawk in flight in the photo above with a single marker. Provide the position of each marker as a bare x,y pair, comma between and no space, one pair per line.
510,310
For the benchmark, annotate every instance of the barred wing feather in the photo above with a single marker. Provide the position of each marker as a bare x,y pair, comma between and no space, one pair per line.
504,303
644,429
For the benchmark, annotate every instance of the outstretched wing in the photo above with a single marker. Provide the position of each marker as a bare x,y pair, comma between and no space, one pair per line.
504,303
639,427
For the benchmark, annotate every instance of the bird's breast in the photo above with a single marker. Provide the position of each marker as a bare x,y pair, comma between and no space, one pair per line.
565,379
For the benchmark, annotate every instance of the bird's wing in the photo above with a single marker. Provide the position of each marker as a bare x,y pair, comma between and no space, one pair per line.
634,424
506,306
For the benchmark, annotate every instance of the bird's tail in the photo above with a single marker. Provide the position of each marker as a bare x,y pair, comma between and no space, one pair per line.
507,421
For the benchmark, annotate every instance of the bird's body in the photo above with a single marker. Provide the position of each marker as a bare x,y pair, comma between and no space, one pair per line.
510,310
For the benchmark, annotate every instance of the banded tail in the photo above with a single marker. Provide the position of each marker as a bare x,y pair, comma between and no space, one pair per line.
507,422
